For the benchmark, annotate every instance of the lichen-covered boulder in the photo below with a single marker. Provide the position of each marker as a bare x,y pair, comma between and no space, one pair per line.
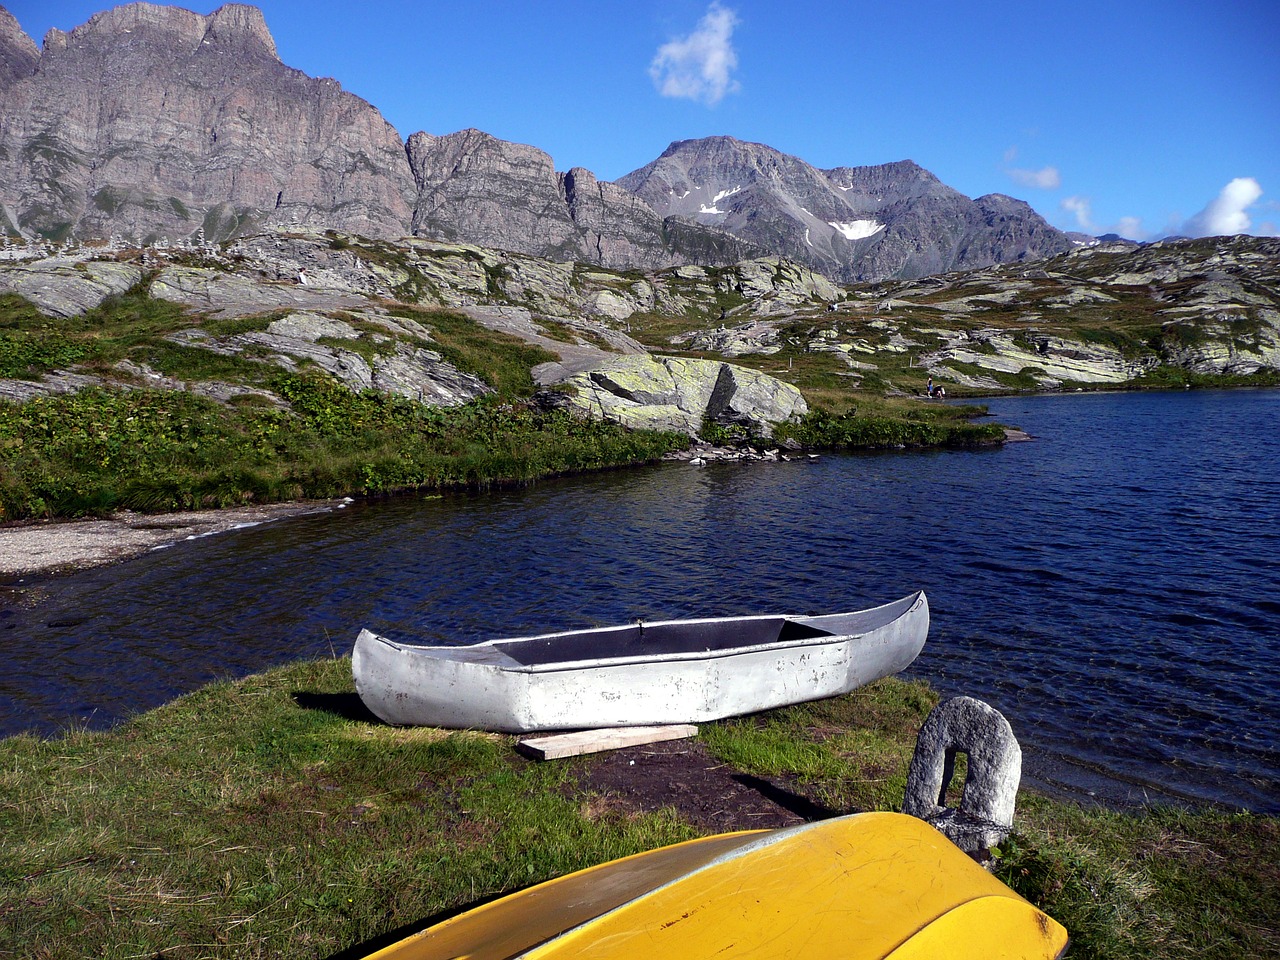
678,394
68,288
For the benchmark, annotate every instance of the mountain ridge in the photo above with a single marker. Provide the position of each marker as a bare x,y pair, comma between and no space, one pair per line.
157,122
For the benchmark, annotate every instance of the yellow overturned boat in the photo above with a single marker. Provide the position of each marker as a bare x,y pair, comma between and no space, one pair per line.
872,885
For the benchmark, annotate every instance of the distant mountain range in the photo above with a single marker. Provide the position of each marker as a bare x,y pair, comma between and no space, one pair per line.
150,122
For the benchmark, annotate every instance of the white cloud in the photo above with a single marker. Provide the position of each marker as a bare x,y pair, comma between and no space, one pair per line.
1081,208
1046,178
699,66
1130,228
1227,213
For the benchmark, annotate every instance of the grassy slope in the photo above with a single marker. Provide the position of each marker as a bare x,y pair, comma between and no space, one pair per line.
100,450
257,818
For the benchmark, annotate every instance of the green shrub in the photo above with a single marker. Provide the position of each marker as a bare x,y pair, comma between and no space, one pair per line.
826,431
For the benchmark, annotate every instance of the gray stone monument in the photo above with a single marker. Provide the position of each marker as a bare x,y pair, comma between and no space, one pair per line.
985,816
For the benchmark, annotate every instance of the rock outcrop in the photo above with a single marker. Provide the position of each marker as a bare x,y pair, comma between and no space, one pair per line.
851,223
1104,314
67,287
677,394
400,364
1101,315
152,121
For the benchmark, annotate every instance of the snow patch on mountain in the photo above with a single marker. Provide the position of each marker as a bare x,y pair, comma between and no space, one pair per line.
858,229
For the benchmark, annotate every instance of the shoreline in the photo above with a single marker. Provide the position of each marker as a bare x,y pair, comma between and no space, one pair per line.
70,545
51,547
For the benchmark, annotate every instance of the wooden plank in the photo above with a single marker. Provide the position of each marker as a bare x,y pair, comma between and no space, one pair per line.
594,741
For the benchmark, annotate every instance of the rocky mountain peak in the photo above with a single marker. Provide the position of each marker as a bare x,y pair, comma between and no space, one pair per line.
851,223
235,25
475,188
433,158
18,52
154,122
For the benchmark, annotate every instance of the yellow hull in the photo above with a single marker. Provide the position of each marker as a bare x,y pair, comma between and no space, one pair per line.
874,885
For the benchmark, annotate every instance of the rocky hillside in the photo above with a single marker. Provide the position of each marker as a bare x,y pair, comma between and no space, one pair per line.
1108,315
153,122
852,223
1163,314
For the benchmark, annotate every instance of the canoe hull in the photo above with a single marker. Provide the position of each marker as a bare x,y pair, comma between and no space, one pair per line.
479,687
873,886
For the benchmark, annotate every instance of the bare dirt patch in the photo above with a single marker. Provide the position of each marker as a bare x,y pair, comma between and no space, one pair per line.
682,775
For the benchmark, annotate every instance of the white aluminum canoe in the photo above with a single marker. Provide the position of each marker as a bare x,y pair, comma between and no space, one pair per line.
675,671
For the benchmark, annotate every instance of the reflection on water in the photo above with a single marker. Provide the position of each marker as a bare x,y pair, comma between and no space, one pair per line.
1111,587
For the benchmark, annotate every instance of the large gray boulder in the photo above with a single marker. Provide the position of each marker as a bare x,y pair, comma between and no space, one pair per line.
678,394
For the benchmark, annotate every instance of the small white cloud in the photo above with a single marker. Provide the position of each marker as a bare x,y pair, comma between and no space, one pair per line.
1011,154
1227,214
1130,228
1046,178
699,66
1081,208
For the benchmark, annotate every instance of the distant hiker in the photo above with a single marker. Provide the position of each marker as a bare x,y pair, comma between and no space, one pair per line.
929,387
940,392
302,276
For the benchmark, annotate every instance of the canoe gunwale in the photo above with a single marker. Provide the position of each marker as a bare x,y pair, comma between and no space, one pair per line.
488,653
508,665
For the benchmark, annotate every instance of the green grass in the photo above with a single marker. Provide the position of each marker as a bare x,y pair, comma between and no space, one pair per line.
97,451
250,819
822,430
104,449
271,817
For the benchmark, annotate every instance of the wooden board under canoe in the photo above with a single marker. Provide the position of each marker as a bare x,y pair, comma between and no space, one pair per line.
873,885
647,674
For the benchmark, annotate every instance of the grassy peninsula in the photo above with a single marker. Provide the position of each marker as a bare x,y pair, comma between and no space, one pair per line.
270,817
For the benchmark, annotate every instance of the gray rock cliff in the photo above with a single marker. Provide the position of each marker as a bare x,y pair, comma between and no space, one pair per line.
474,188
153,121
18,52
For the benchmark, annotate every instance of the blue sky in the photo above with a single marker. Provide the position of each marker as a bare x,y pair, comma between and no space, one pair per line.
1145,117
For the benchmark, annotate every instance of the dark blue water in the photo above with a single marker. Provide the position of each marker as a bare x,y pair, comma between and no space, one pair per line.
1112,587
